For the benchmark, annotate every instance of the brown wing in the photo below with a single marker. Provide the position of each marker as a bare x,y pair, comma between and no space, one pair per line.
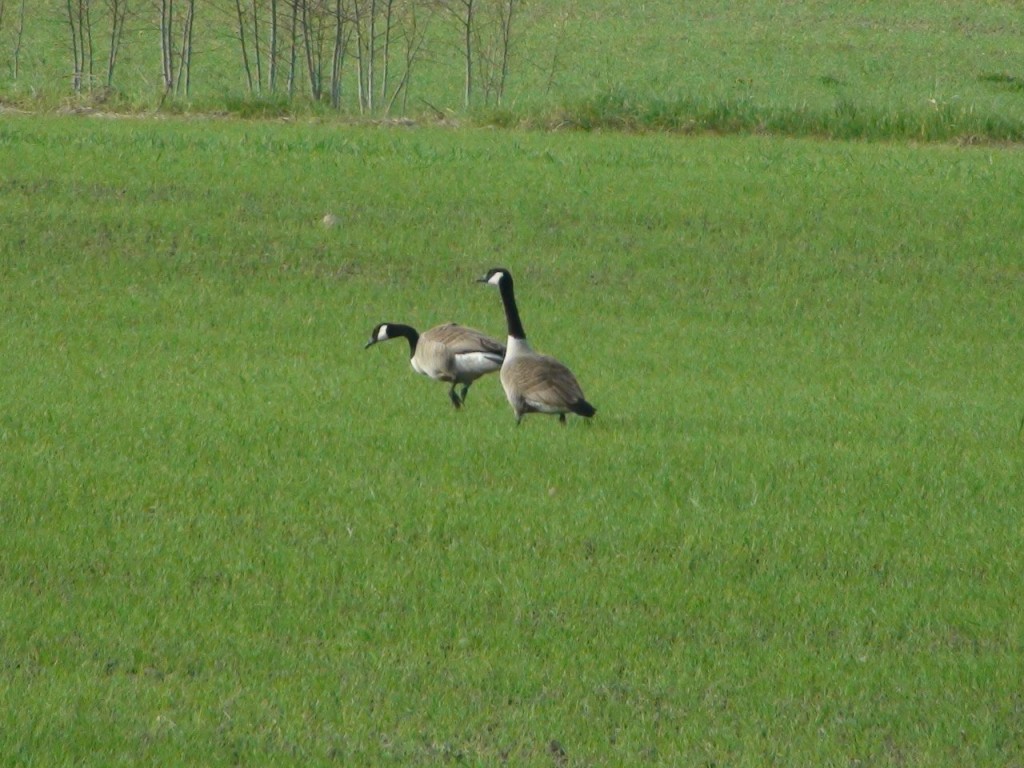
544,383
460,339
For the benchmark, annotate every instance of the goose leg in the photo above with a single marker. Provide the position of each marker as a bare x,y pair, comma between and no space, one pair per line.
455,398
465,389
561,418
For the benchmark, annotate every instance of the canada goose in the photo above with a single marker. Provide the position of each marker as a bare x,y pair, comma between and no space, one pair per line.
533,383
449,352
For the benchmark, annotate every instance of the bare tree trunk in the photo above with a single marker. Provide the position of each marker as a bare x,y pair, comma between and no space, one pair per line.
167,44
118,13
293,59
76,71
469,4
272,75
256,45
80,24
465,13
85,28
360,56
371,55
507,11
241,38
185,58
18,36
313,63
389,5
373,50
338,58
115,39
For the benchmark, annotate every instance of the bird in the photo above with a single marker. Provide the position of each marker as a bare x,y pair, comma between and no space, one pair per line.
533,383
450,352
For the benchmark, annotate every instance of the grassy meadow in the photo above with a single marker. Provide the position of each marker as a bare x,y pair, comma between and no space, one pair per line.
917,69
232,536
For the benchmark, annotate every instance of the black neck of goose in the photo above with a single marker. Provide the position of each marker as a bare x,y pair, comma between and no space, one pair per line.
508,298
408,332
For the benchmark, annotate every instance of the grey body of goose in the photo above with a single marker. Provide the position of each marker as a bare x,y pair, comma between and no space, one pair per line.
451,353
533,383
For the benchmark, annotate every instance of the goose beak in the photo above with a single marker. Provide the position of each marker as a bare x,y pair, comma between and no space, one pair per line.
369,344
482,279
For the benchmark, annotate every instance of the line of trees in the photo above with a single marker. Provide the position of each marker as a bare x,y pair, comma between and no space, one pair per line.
360,54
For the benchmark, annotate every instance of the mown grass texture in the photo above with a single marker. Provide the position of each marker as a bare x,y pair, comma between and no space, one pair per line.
231,535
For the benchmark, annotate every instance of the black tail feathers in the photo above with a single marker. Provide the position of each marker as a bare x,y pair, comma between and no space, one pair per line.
583,408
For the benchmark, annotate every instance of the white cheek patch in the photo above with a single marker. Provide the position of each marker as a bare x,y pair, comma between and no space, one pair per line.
382,333
495,278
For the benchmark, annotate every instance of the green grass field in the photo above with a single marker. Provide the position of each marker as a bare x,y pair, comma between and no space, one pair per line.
916,70
231,536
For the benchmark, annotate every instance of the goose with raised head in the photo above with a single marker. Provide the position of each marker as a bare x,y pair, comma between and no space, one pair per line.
533,383
450,353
